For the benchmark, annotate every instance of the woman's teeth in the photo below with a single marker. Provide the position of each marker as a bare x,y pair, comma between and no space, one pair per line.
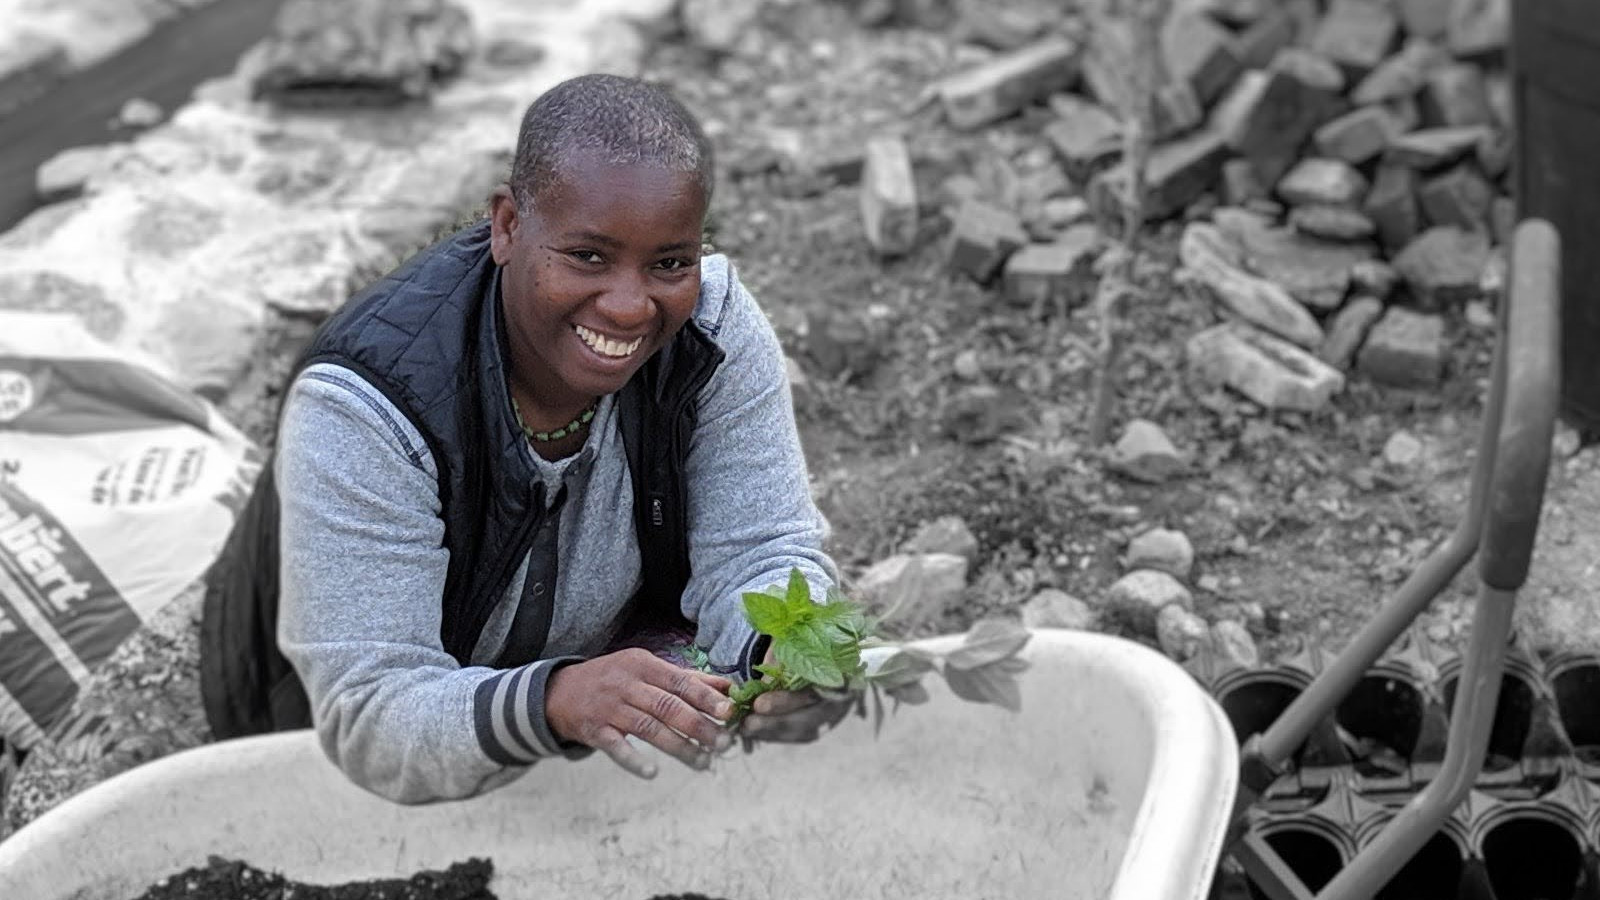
605,346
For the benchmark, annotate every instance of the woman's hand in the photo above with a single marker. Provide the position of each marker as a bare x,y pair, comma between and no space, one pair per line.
791,716
601,701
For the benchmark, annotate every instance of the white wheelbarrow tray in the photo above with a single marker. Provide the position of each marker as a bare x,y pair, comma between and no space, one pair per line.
1115,781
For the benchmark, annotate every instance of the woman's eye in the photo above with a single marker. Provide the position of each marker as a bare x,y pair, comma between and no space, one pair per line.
587,256
675,263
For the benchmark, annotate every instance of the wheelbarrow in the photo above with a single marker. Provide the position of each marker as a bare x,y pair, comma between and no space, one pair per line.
1114,778
1499,528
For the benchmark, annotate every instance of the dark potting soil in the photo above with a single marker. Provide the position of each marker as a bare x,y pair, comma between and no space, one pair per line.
228,879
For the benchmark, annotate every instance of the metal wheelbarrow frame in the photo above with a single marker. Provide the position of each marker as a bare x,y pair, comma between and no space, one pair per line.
1502,519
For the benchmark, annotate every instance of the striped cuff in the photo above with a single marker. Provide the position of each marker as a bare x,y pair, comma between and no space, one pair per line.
509,715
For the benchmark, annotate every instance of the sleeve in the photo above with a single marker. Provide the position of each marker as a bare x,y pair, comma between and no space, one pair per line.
751,514
363,573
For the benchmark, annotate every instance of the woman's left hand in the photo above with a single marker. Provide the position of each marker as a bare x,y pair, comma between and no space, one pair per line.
791,716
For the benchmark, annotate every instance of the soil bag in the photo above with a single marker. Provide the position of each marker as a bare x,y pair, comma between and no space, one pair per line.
117,490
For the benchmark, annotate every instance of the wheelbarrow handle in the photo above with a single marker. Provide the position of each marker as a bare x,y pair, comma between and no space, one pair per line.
1532,328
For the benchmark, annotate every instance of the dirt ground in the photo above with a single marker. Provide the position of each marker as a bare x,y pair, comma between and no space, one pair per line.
1300,517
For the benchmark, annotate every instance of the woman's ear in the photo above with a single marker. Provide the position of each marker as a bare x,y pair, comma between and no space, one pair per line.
504,219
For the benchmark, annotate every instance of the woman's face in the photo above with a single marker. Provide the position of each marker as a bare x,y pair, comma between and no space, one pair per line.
599,272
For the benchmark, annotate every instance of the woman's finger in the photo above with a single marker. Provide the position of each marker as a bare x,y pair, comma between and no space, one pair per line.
707,694
615,745
648,727
780,703
653,704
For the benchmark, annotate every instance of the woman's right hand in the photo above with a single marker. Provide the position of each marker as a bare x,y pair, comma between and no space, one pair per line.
600,702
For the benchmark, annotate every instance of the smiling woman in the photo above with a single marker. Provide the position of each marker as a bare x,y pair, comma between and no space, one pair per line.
518,477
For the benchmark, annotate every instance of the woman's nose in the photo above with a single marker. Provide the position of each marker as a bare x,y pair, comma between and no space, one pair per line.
626,302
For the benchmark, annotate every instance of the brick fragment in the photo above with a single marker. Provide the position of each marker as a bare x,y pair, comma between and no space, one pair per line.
1199,51
1425,18
889,197
1494,152
982,237
1178,173
1404,349
1433,148
1258,43
1330,222
1311,68
1357,34
1479,29
1241,184
1316,180
1443,266
1268,115
1267,369
1455,95
1357,137
1392,206
1401,75
1086,137
1459,197
1348,329
1058,274
1003,86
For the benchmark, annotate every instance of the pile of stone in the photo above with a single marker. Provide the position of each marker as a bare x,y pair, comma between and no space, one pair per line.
1343,173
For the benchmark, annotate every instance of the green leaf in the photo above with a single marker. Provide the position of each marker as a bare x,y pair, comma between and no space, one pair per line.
809,655
799,589
744,693
767,614
990,640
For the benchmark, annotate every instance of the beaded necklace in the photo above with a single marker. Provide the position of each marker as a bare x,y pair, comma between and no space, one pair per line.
545,437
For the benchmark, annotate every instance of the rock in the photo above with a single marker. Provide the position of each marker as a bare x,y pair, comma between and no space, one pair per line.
1060,213
1085,136
363,52
967,365
1402,450
1497,88
1348,329
1257,45
1405,349
1442,267
1137,599
1238,13
799,382
1234,646
1051,608
946,534
1455,96
1329,182
1177,110
1009,82
64,175
1479,29
1566,442
1311,69
1180,632
1334,223
979,413
1240,183
1271,372
1003,29
719,25
1480,316
47,291
1314,271
1392,206
1433,148
842,345
30,64
1401,75
1164,551
1199,51
1359,136
1177,174
1217,262
889,197
982,237
1145,453
1459,197
932,580
1502,220
1059,274
140,113
1268,115
1374,277
1357,34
